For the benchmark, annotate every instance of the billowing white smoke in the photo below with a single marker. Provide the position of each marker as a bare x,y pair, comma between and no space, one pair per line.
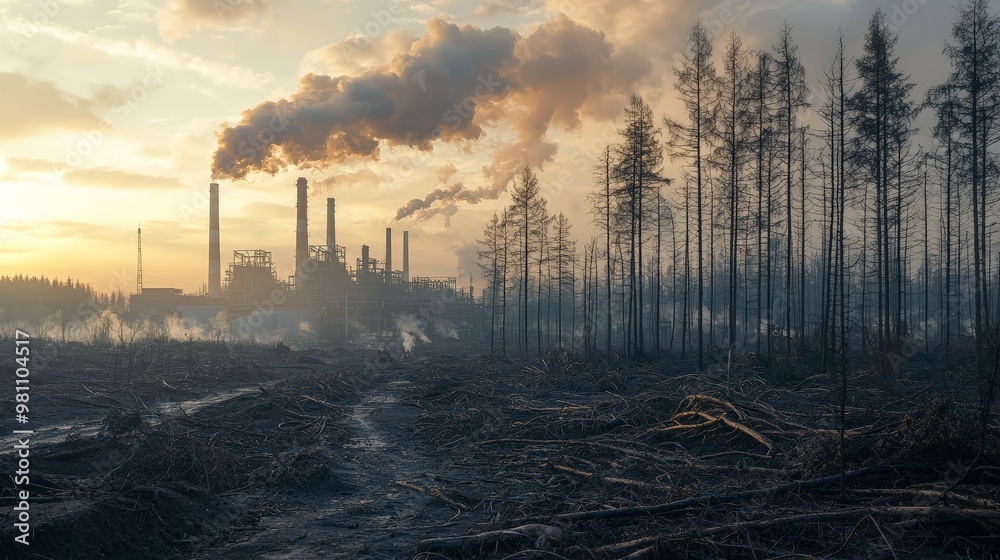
445,328
184,329
411,330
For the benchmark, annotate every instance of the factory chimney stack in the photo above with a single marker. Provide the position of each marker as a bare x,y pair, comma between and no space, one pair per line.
388,256
214,252
301,232
331,229
406,257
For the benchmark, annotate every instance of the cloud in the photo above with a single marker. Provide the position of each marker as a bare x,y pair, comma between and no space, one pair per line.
468,261
446,172
162,61
26,166
267,209
452,84
357,53
134,12
362,177
117,179
33,107
184,18
69,230
642,22
507,6
268,221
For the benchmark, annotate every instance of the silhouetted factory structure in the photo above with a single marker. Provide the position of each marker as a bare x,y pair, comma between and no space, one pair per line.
326,298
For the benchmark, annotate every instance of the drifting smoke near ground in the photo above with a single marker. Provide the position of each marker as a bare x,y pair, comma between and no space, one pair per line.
445,328
183,329
410,329
107,328
451,83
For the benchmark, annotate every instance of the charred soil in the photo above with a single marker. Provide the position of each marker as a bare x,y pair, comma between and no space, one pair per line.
347,453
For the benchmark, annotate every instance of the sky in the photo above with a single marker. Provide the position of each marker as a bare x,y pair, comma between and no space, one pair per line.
118,114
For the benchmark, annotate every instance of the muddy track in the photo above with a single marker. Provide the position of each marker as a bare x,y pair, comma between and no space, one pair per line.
367,515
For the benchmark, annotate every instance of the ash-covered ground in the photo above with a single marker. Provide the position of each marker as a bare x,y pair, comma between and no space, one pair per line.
218,452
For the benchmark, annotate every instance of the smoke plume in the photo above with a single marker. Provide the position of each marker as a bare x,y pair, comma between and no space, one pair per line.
445,328
452,84
410,329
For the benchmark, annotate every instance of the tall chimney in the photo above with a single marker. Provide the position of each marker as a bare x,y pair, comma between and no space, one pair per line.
388,256
363,273
301,232
214,253
406,256
331,229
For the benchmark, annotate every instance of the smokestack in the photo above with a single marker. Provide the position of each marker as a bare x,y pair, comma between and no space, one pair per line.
214,253
301,232
388,256
331,229
364,265
406,256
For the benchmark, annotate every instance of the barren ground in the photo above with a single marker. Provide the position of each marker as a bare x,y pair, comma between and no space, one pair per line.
346,453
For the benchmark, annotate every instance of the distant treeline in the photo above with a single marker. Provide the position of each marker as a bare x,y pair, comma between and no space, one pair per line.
35,298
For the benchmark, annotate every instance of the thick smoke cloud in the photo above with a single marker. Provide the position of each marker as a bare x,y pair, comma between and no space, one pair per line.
452,84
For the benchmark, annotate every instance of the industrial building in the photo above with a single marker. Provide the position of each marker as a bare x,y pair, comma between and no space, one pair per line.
327,298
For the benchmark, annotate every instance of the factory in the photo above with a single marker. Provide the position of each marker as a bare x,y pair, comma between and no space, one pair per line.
327,298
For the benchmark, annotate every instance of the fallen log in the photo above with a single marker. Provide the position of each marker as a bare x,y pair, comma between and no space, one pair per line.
433,492
649,553
934,496
714,499
943,513
591,444
690,402
710,420
619,548
603,478
503,536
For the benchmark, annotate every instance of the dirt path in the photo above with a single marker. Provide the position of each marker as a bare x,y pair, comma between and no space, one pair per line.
368,516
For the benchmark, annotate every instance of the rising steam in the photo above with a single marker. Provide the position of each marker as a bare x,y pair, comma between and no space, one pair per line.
445,328
411,330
